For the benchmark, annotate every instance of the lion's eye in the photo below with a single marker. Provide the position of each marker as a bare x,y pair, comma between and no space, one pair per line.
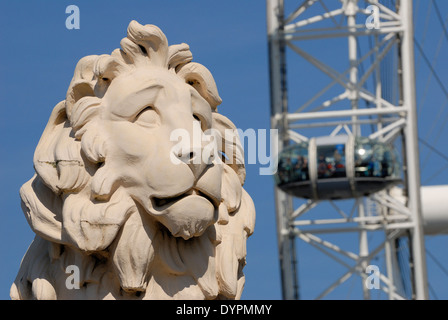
148,117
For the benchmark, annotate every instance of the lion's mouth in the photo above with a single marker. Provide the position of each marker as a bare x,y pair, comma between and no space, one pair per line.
164,202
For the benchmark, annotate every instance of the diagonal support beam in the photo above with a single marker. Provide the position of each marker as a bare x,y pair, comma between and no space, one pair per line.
301,9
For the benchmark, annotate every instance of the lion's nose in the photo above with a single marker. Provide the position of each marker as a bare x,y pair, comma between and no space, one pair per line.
196,158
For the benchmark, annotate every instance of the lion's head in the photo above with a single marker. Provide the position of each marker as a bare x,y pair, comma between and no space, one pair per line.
142,215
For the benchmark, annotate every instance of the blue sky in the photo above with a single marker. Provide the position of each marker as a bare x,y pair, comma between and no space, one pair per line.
37,60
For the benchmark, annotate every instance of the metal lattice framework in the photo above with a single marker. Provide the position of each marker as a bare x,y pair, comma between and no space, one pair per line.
345,104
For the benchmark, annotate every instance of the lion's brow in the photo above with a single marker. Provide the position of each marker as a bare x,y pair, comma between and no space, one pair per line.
127,105
151,85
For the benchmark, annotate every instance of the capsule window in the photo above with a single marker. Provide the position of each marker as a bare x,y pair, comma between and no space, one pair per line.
374,160
331,161
293,165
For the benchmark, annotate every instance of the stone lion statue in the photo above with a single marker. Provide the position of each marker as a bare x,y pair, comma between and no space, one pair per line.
108,200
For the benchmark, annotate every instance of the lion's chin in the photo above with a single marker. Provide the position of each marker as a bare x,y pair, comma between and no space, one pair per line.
186,216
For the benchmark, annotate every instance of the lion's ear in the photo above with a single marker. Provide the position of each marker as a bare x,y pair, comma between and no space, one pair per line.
231,145
57,159
202,80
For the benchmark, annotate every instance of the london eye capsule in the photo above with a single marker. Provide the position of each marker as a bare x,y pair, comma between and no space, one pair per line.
337,167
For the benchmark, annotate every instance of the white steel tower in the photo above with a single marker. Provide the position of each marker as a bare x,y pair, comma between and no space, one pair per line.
364,124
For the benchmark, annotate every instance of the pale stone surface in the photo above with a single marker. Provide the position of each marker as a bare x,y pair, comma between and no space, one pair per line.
108,199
